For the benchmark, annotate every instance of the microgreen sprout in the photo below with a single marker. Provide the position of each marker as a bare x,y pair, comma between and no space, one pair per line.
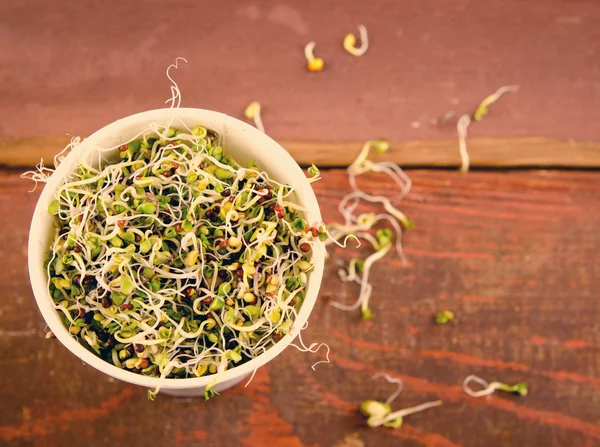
465,120
519,388
175,261
252,112
209,393
482,108
380,413
444,317
396,418
350,42
313,63
314,173
361,226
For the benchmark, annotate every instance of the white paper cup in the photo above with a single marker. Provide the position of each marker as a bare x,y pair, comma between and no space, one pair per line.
244,143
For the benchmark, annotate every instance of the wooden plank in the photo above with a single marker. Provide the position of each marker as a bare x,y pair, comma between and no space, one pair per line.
484,152
422,62
514,254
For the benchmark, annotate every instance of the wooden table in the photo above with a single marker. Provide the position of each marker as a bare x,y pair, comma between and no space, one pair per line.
515,254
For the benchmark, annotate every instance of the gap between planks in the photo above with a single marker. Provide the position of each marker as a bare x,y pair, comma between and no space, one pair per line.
484,152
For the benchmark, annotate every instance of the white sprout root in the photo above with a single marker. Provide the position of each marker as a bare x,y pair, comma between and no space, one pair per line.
175,98
488,388
251,378
461,127
390,379
376,422
40,174
313,348
350,42
482,109
309,51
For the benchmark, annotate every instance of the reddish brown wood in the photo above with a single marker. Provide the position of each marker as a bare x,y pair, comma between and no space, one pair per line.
73,67
513,254
484,152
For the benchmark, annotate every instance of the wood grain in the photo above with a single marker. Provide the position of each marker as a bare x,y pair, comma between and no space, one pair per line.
73,67
484,152
513,254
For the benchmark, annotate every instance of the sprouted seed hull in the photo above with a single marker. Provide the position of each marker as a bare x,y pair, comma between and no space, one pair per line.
174,261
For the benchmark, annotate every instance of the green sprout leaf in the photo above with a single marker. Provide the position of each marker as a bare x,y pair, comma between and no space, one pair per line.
53,207
210,393
380,146
367,314
384,237
299,224
444,317
396,423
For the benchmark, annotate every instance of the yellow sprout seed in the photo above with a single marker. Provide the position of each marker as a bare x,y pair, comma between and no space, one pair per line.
234,242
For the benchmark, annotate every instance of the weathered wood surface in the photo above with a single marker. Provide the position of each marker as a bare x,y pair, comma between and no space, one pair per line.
484,152
73,67
515,255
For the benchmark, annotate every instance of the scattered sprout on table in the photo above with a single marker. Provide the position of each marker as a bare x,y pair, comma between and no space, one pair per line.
350,42
396,418
175,261
461,127
380,413
313,63
444,317
252,112
363,225
465,120
482,108
519,388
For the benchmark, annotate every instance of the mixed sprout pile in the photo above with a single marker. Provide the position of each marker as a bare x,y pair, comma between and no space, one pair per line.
175,261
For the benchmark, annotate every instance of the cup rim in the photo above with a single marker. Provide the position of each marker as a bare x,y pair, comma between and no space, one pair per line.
293,175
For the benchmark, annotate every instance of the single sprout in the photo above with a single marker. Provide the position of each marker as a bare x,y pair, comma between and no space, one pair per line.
252,112
465,120
313,170
444,317
482,108
314,63
519,388
461,128
350,42
395,419
209,393
314,173
380,413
